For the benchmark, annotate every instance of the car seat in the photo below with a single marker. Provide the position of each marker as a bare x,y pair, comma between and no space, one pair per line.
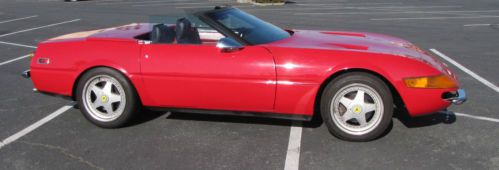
162,34
186,34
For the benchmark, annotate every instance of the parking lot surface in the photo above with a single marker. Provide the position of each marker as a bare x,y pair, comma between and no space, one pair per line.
465,137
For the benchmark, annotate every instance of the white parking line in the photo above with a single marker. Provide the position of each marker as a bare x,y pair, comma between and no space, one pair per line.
137,2
15,59
293,153
17,19
16,44
478,25
367,3
35,125
397,12
432,18
45,26
477,117
359,7
466,70
175,4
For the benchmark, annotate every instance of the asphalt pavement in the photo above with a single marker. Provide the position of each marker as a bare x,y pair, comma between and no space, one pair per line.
466,137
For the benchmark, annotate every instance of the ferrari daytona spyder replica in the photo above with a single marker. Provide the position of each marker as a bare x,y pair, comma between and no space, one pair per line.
238,64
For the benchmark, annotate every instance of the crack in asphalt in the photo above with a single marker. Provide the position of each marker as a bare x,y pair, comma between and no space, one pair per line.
65,152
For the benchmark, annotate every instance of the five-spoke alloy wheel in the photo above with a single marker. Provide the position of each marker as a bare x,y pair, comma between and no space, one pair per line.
106,97
357,106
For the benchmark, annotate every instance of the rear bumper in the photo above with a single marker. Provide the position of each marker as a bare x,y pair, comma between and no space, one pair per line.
26,74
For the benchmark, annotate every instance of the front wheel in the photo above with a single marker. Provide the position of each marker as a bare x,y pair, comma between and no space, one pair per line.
357,106
106,98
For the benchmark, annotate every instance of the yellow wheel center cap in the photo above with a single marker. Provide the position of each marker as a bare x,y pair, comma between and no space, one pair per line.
357,109
103,98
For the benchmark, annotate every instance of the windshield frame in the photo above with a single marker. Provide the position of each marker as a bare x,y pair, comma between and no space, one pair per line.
204,16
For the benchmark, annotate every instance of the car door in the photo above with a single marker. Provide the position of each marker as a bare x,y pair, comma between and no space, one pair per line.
201,76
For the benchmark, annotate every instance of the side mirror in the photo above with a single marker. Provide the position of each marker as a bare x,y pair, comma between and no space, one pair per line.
229,45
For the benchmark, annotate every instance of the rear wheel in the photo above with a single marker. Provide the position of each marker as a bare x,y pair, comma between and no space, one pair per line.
357,106
106,98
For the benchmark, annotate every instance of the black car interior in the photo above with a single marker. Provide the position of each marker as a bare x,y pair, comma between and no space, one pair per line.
162,34
186,34
182,33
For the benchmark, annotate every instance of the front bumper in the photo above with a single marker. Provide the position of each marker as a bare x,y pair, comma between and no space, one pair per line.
458,97
421,101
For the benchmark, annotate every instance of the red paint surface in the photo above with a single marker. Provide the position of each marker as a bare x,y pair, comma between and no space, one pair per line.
281,77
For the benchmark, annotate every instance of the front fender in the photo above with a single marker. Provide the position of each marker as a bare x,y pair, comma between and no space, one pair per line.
303,71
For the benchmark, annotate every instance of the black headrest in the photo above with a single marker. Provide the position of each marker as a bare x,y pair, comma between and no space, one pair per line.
186,34
162,34
183,27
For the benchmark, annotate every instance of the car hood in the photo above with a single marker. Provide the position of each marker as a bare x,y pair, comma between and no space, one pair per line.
359,42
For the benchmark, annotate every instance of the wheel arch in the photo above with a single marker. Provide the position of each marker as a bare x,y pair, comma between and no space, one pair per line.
397,99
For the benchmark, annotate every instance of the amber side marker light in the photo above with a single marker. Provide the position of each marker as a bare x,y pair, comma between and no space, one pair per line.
435,82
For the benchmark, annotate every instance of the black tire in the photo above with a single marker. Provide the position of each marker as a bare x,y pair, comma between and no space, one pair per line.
337,87
129,110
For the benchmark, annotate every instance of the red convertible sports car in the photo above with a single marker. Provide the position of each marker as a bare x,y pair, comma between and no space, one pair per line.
225,61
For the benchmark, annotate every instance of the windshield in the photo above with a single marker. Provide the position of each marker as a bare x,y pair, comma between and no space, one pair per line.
248,27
